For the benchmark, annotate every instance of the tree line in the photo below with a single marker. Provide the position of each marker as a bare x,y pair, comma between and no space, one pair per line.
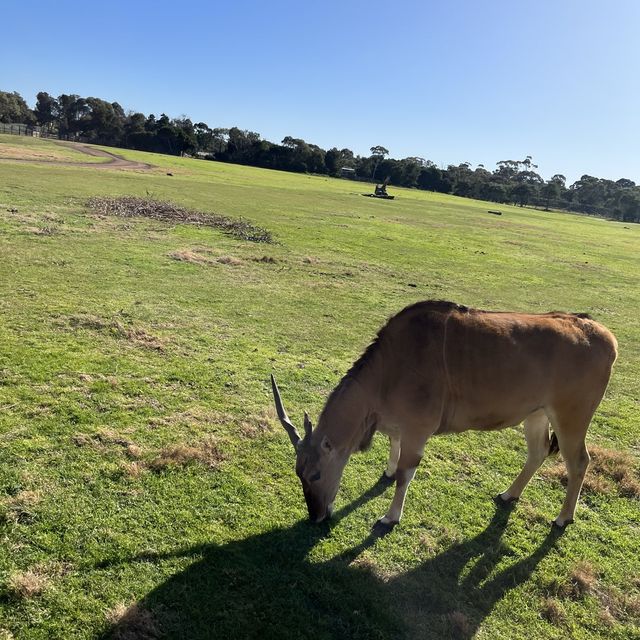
72,117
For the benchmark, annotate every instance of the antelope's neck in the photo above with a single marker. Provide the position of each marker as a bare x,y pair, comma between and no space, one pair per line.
347,416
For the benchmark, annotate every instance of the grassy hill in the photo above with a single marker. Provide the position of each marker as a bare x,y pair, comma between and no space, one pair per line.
145,486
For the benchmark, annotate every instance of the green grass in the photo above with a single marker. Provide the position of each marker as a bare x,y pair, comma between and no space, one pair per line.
112,352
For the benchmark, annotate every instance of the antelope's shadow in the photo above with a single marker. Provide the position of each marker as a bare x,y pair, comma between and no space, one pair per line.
265,587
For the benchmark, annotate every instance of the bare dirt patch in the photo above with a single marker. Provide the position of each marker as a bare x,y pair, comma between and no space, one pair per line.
134,207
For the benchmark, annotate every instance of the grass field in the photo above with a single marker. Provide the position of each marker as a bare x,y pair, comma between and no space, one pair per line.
146,489
34,149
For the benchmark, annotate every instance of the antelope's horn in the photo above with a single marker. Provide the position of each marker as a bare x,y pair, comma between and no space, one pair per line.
292,432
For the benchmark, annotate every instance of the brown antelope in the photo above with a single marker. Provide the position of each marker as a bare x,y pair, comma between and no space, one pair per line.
438,367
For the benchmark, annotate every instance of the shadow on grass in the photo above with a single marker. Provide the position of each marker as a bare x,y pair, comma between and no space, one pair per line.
265,587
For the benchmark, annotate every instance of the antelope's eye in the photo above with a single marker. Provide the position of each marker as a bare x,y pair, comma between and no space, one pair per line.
315,477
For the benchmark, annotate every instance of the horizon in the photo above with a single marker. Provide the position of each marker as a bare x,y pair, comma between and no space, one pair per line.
469,83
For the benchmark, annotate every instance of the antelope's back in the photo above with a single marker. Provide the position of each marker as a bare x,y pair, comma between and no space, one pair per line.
492,369
528,360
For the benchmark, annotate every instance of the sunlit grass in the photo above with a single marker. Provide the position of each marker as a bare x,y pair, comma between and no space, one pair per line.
144,483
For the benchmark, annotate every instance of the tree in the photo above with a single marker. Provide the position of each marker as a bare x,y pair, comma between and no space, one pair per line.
332,161
377,154
185,136
135,134
220,140
71,109
13,109
550,191
628,209
204,136
46,110
521,193
433,179
102,123
239,143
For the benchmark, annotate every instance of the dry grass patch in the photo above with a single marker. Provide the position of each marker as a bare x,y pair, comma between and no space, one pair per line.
584,579
428,542
20,508
11,152
186,255
137,335
265,259
616,604
195,418
460,625
42,231
206,452
229,260
103,438
609,471
109,436
195,256
133,450
28,584
258,425
619,605
132,623
133,469
552,611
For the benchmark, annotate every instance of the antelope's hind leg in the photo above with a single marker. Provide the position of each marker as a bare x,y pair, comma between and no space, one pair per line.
571,438
536,433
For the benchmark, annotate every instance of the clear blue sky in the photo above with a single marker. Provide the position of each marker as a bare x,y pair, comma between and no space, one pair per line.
452,81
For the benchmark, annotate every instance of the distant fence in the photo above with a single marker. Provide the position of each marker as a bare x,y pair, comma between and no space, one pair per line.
20,129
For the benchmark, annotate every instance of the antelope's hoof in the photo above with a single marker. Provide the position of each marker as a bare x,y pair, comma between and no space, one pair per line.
385,479
382,528
560,527
507,503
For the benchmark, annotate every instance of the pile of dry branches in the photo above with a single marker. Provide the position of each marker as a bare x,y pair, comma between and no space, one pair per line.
132,206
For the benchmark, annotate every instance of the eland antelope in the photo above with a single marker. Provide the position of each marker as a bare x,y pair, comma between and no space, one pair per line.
438,367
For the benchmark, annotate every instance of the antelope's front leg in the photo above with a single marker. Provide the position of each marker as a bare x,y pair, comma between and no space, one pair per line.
406,470
394,455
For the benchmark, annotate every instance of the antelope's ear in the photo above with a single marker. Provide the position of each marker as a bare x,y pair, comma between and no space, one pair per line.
308,427
326,445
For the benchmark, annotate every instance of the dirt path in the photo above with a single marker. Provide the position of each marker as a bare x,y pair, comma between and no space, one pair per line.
113,161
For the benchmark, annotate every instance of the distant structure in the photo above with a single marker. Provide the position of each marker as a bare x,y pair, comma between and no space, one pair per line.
381,191
348,172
